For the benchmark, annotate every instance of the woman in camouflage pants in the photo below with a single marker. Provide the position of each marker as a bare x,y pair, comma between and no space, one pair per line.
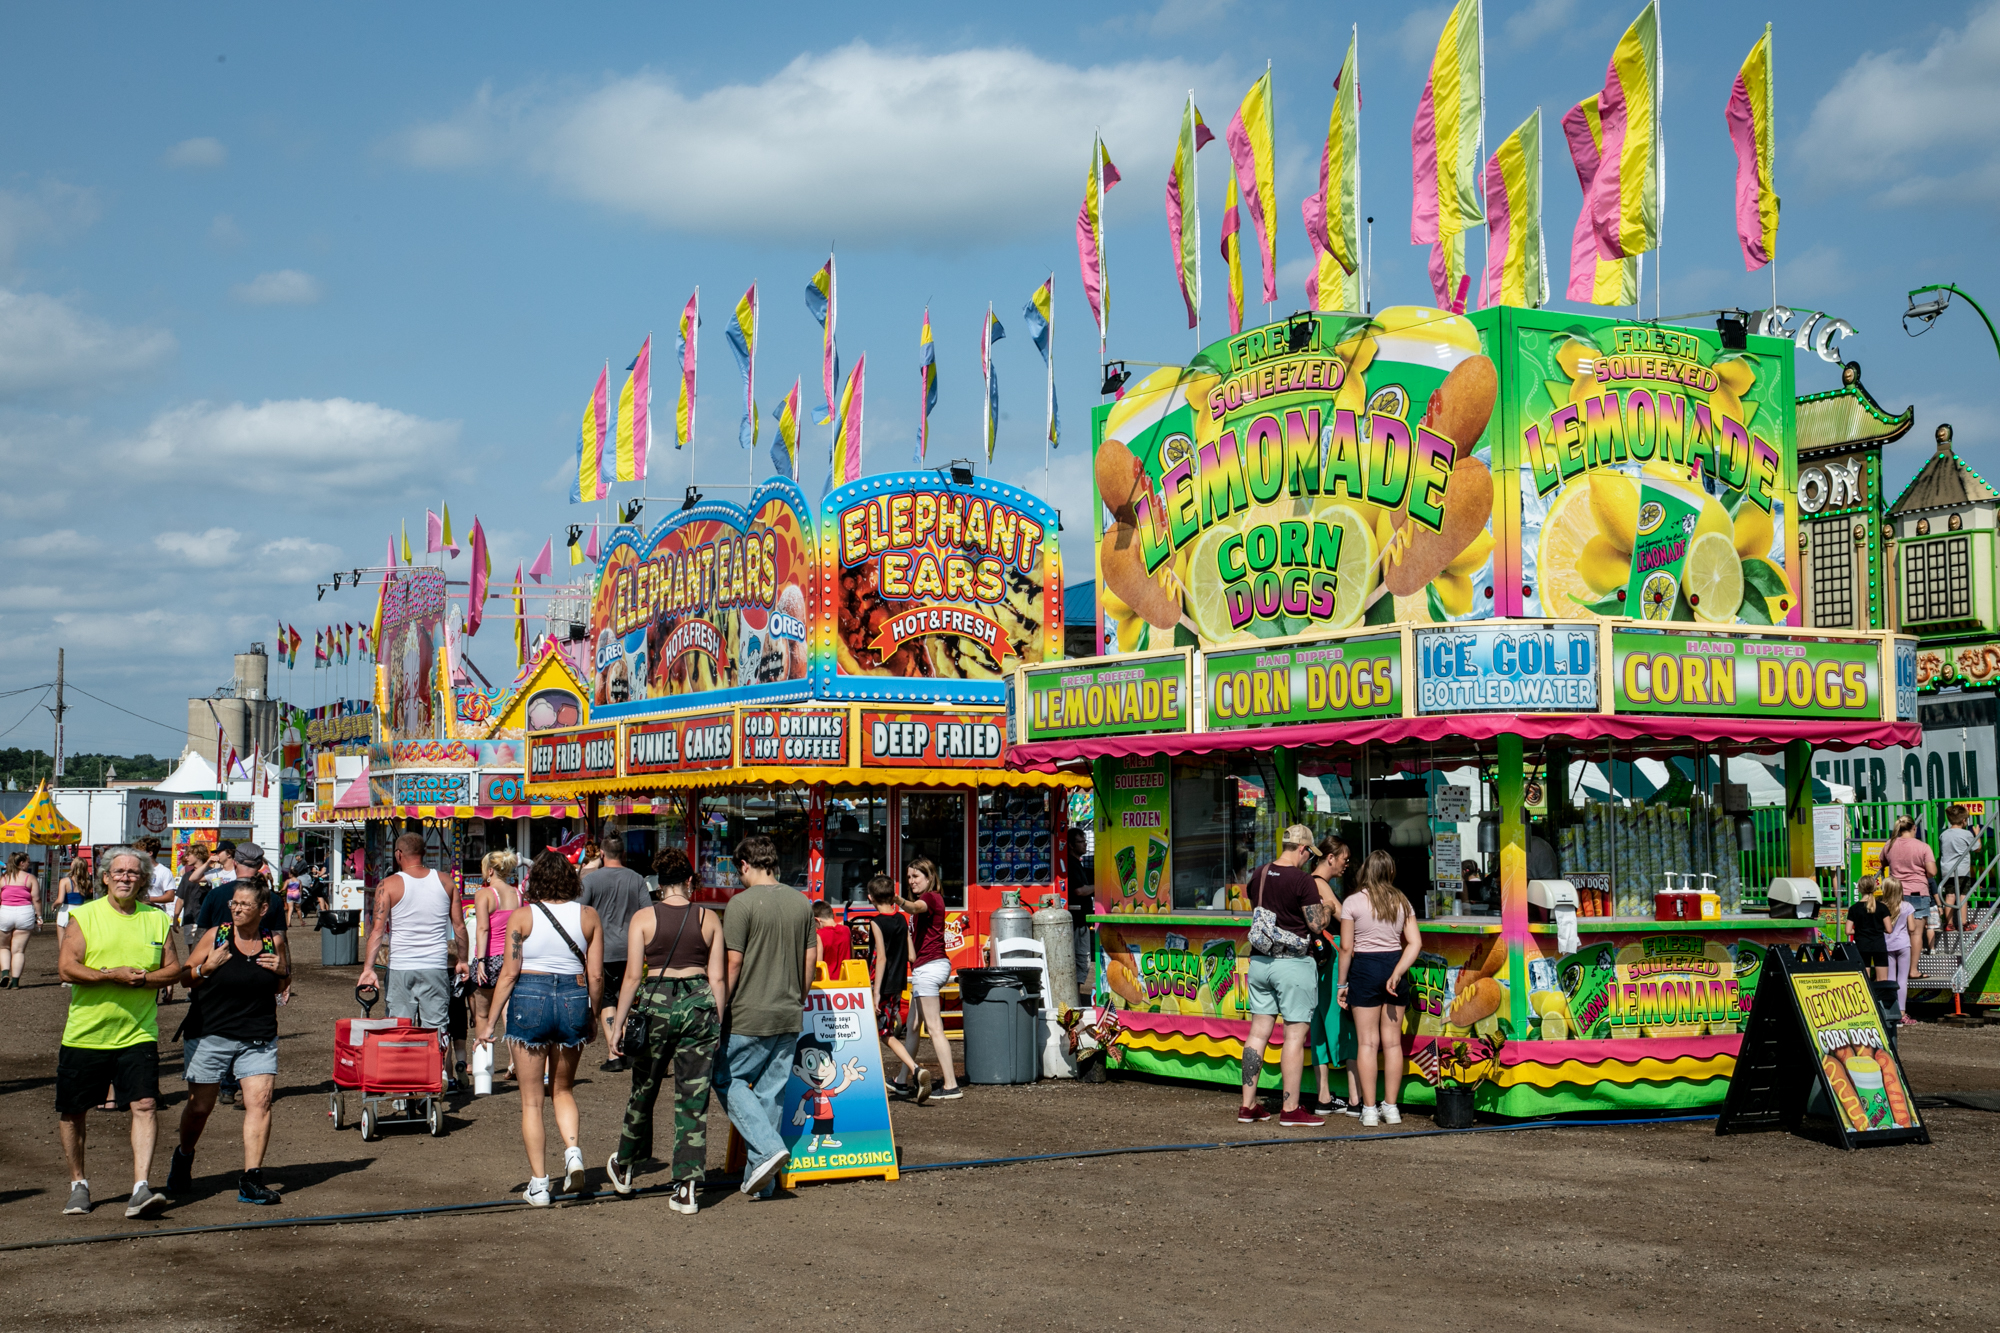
681,1001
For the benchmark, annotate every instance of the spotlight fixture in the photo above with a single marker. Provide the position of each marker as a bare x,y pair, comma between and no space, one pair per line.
1925,312
1299,331
693,499
354,580
961,471
631,510
1734,327
336,581
1115,376
575,533
322,593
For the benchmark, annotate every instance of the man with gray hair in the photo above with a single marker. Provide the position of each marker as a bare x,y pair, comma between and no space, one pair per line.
117,952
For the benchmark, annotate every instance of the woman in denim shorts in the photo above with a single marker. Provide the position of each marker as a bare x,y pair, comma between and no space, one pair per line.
548,988
237,974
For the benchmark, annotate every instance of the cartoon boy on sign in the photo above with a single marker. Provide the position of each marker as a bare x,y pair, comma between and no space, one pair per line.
815,1067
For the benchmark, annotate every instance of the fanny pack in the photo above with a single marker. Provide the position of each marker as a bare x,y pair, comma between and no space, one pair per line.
1267,936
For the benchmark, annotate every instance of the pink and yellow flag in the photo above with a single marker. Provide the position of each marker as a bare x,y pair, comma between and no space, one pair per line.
1090,238
1625,197
1751,131
635,416
1232,255
1250,153
847,425
785,449
822,302
520,624
685,338
1593,279
588,485
1516,258
1184,209
1332,215
1444,149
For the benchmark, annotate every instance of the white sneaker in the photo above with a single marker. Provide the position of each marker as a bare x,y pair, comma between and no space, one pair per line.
1370,1117
1390,1115
622,1184
754,1178
682,1198
537,1193
572,1171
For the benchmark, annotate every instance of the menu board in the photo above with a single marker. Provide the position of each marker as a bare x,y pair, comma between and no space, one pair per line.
1853,1052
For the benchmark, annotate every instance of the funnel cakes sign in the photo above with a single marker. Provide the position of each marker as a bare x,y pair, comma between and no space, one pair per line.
933,589
713,602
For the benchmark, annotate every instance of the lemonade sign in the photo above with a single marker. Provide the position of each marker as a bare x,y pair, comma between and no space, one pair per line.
1653,467
1306,476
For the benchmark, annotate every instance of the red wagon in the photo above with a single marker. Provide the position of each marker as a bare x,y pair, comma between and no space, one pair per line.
388,1061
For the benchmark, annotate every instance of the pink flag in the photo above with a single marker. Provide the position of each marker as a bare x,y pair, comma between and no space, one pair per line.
590,551
392,559
435,540
482,569
540,568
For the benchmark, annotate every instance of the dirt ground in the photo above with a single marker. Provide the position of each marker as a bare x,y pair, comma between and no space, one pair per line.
1639,1228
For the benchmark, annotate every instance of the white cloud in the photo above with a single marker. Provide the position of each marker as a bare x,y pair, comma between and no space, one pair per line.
1538,21
286,286
334,443
51,211
47,344
890,147
205,550
224,231
197,153
1416,38
1914,128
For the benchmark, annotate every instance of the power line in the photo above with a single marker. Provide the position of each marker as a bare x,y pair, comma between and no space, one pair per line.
31,708
181,730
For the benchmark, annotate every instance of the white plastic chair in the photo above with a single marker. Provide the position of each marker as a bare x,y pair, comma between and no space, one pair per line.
1057,1061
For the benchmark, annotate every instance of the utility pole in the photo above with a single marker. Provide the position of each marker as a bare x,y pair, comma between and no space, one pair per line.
59,709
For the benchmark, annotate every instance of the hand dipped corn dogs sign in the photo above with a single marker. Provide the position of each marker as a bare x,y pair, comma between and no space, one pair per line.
1331,471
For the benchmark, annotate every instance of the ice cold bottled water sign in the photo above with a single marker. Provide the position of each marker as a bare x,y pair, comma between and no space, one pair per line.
1513,668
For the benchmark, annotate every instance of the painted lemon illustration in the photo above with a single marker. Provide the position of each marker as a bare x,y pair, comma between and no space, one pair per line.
1207,605
1614,499
1174,451
1391,401
1558,559
1656,596
1651,515
1355,575
1712,578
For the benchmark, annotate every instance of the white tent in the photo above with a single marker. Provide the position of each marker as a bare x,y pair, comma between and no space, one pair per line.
195,774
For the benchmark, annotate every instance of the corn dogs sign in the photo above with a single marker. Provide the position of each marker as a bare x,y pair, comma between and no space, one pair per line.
1332,680
1661,671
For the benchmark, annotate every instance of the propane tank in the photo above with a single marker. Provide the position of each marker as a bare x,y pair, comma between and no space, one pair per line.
1057,932
1010,920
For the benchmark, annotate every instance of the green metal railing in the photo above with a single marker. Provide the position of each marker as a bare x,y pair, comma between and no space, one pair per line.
1769,855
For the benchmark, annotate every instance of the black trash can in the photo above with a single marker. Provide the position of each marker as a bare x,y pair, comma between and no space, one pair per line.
999,1005
339,938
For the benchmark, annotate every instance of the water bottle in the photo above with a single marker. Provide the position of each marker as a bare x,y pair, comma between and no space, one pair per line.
482,1069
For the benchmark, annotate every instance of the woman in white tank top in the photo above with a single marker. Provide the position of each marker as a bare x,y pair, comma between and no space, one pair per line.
548,988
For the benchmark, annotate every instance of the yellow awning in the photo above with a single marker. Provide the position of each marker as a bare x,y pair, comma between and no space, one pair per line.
779,776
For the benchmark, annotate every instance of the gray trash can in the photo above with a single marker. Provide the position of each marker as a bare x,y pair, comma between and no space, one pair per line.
999,1005
339,939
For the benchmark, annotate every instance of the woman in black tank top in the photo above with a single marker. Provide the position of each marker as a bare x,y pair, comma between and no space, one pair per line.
679,1005
889,962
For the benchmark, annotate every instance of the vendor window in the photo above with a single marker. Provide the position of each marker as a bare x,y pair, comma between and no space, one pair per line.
729,817
857,844
934,826
1225,823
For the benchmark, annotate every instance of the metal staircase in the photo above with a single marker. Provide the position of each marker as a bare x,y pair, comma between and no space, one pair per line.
1959,956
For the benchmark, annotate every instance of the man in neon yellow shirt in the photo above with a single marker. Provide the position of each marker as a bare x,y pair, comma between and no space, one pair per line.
117,952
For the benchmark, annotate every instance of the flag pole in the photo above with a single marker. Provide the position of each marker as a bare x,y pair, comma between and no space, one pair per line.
1771,76
1659,149
1479,164
1194,202
1051,369
1271,224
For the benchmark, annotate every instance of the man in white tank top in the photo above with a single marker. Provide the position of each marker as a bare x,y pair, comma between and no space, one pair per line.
426,940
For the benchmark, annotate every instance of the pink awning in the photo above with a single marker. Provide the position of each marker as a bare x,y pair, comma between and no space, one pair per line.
1750,733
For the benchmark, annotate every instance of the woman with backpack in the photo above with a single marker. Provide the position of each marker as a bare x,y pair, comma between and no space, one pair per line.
548,988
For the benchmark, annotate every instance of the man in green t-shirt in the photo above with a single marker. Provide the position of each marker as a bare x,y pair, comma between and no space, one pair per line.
117,953
773,954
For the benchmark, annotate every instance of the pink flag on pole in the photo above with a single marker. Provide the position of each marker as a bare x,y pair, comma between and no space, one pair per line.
540,568
435,540
482,569
590,551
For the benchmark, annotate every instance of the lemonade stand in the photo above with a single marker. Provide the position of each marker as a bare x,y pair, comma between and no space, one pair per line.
1366,573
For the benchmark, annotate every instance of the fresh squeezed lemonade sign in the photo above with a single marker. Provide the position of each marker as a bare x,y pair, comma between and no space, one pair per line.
1308,475
1654,467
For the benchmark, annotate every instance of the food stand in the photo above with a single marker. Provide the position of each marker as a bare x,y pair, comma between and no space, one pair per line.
838,685
1328,599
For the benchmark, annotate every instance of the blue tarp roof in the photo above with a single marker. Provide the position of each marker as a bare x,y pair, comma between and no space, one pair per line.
1080,603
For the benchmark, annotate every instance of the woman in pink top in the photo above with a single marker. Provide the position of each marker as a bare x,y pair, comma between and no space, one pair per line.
1908,859
18,918
1378,943
492,905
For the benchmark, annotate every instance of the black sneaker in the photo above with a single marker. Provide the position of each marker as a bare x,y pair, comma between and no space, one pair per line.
250,1188
180,1173
617,1066
947,1094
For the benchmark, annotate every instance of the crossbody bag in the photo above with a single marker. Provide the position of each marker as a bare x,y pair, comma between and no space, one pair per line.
638,1029
1267,936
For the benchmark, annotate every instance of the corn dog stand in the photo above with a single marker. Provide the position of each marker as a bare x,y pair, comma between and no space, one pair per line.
1456,652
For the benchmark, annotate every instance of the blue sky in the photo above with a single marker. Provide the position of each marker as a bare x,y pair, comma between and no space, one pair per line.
274,281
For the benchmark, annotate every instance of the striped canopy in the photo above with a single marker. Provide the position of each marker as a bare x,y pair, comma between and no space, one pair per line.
41,823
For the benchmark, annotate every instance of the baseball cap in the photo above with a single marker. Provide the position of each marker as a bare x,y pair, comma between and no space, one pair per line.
249,854
1298,835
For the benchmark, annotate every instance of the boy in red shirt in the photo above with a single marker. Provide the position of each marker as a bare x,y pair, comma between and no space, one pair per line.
834,946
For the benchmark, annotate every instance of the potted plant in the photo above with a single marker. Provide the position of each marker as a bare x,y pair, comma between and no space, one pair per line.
1460,1066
